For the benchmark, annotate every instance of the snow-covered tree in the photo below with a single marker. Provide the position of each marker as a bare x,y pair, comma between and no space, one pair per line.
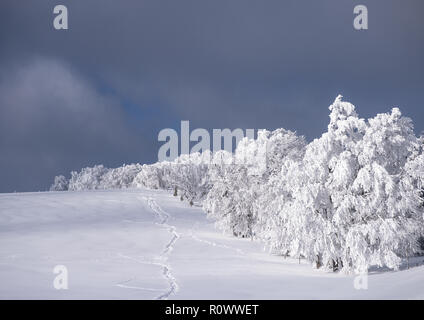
120,178
188,174
352,198
238,187
98,177
60,184
348,208
87,179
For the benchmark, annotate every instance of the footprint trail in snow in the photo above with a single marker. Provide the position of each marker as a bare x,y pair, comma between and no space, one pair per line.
163,218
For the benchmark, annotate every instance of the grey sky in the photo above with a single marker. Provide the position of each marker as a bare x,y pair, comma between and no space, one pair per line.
101,91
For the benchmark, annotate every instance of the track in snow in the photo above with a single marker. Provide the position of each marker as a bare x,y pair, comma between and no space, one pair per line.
163,218
211,243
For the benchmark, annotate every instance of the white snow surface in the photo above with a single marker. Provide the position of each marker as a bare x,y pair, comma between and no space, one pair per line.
146,244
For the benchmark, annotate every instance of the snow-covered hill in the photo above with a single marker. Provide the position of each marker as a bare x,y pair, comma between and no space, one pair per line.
347,201
144,244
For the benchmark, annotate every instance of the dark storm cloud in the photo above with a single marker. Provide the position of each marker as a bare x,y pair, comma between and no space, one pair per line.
239,63
52,121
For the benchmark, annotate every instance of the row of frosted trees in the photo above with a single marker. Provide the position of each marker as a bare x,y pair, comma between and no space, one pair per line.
350,199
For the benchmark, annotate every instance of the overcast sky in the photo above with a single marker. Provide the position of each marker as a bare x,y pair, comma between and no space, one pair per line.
101,91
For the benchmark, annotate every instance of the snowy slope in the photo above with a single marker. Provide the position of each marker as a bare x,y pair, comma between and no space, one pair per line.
144,244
